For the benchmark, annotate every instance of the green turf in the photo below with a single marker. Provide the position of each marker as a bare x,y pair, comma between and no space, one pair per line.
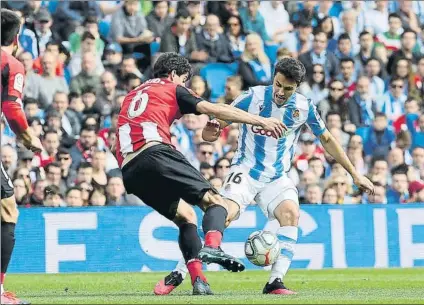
384,286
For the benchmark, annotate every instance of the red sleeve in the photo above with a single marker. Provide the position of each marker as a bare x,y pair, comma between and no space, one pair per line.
12,100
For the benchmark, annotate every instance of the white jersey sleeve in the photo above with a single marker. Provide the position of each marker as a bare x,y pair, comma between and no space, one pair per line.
314,120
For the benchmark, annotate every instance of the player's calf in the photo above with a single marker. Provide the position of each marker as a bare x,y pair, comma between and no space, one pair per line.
287,214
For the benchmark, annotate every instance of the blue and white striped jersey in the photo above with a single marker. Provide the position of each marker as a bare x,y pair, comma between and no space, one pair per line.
265,157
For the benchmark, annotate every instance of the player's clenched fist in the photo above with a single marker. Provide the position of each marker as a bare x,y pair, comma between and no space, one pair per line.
211,131
275,126
33,143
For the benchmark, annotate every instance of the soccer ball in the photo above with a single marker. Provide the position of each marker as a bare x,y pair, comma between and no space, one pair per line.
262,248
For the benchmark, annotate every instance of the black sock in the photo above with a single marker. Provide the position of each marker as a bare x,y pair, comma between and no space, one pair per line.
7,244
189,241
214,219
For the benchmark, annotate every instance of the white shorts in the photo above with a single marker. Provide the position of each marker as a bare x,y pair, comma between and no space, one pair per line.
241,188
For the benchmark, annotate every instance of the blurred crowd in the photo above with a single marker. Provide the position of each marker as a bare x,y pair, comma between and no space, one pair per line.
365,73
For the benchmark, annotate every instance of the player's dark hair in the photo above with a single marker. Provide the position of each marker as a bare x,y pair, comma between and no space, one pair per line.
168,62
292,69
10,26
344,36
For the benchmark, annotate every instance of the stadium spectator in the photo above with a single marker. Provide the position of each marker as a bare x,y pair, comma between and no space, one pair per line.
21,192
69,118
51,143
91,26
236,35
307,12
377,19
366,51
380,137
198,85
86,189
348,76
379,195
69,16
32,109
277,20
408,16
9,158
254,66
344,47
416,191
84,173
313,194
37,196
206,170
83,148
97,197
315,85
361,105
54,175
53,197
68,174
210,41
374,71
49,82
116,196
408,42
54,47
99,177
335,101
329,196
319,55
31,78
88,45
180,39
351,27
113,57
301,39
73,197
398,192
129,66
391,38
418,157
158,19
393,101
43,30
342,186
87,76
129,27
253,21
205,152
222,167
233,88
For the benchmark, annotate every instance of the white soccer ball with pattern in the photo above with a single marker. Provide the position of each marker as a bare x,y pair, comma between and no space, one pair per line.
262,248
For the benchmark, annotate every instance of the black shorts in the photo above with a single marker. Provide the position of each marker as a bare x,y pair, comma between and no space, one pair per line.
161,176
6,184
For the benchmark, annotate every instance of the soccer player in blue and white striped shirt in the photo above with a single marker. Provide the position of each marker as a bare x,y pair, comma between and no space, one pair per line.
260,165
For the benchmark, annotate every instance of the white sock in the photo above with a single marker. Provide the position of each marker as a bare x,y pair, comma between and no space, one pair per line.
2,289
288,238
181,268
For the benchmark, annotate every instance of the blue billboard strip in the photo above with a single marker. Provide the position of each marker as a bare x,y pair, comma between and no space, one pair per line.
114,239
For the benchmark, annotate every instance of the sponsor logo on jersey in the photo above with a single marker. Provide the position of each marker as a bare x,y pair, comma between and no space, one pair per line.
260,131
18,85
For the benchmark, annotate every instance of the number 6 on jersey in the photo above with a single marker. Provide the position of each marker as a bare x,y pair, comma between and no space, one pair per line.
138,103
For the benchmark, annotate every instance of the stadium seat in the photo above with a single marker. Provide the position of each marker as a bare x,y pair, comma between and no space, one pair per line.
216,75
271,52
154,48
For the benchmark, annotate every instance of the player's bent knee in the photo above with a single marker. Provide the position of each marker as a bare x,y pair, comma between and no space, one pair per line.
287,213
185,214
211,198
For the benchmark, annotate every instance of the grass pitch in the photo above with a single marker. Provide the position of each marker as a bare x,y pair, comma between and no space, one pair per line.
354,286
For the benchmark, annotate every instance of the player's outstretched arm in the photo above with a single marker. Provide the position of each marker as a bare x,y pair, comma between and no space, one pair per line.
336,151
232,114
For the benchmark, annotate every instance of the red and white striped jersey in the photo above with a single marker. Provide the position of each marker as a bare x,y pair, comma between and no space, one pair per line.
147,113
